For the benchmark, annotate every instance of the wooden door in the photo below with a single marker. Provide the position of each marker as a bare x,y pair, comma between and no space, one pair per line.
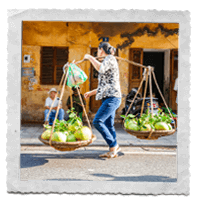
135,73
173,76
94,105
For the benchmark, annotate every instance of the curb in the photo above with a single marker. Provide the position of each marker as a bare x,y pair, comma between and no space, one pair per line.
122,145
95,152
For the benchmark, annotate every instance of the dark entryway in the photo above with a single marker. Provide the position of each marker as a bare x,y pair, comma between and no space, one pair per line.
156,60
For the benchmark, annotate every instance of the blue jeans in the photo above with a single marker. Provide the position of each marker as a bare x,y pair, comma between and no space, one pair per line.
53,114
104,120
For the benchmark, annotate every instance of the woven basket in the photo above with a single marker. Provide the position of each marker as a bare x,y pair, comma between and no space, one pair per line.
154,136
68,146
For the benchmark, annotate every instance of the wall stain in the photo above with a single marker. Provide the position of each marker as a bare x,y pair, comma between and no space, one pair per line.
146,30
111,29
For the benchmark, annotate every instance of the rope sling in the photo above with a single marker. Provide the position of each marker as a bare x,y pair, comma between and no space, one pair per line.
66,146
149,135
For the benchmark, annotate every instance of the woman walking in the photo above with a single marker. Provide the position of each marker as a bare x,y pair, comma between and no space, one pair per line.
109,93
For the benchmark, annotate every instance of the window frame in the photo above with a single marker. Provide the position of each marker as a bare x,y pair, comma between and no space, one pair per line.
54,64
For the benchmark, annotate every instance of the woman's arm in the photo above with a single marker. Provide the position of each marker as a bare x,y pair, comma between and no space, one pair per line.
54,108
90,93
93,92
94,62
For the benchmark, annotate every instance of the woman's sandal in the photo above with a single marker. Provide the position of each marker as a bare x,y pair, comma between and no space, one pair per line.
105,155
111,154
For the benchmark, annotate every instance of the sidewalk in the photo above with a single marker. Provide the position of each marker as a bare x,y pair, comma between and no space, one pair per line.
30,133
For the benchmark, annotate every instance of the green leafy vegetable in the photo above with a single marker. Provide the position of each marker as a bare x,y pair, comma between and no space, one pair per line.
147,121
71,125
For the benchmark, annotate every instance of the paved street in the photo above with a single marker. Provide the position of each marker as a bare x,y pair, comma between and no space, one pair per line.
133,164
139,160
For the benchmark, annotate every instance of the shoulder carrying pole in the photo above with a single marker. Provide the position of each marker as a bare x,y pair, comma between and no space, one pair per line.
119,58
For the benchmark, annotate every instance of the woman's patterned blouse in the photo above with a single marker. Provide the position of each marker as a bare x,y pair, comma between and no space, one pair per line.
108,79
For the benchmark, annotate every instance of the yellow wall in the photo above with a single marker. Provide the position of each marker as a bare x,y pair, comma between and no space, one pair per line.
80,37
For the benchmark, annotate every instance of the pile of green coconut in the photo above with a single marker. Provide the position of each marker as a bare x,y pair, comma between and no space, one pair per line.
68,131
148,122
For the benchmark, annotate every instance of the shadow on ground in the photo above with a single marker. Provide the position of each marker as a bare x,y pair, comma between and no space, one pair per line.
33,160
145,178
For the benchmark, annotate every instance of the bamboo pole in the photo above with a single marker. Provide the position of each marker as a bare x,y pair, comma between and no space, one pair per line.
84,109
119,58
131,62
71,100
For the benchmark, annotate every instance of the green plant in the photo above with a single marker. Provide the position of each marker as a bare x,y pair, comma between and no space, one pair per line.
167,112
148,119
71,125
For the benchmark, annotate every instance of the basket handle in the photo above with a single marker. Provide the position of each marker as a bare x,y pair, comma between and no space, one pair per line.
150,88
145,91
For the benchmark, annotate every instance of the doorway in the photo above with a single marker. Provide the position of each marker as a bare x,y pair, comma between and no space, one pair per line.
156,60
173,76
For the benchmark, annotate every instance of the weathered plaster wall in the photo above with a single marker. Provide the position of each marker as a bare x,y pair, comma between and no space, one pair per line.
80,37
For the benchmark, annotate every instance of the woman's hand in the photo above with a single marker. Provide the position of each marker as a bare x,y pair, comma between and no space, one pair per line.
88,94
94,62
65,66
87,56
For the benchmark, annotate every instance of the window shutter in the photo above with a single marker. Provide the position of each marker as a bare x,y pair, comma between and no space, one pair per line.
47,67
52,62
61,59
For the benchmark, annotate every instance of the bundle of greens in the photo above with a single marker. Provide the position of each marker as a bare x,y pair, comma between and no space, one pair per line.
165,110
148,122
68,131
